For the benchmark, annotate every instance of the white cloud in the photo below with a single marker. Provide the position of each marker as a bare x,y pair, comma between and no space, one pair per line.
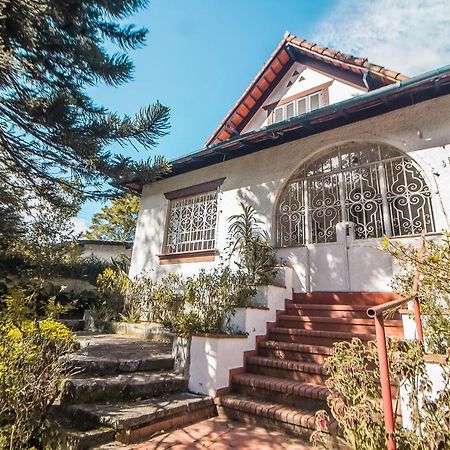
411,36
79,225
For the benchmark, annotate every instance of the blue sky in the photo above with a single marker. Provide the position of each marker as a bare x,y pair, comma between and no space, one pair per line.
202,54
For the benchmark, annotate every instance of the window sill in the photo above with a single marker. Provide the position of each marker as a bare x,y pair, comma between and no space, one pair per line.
188,257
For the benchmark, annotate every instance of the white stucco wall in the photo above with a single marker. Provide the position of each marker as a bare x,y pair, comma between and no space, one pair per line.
105,252
213,356
422,131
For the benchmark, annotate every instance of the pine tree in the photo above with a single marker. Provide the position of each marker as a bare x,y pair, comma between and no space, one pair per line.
54,140
116,222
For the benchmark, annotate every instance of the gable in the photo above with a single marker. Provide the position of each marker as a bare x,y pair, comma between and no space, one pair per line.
300,91
347,69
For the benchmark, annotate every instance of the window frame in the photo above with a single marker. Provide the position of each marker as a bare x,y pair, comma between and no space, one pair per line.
185,193
294,103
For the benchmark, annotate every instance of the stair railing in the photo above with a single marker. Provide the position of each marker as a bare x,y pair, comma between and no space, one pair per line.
376,312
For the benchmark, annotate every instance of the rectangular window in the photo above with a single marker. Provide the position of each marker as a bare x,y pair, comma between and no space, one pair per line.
301,106
290,110
298,107
191,223
278,115
314,101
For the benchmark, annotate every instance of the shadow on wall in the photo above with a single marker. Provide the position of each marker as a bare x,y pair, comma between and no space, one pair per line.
354,267
316,267
262,197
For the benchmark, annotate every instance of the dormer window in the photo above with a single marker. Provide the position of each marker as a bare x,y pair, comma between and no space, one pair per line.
298,107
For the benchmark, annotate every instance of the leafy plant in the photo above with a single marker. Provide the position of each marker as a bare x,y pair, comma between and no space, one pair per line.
34,299
211,299
31,368
251,246
434,293
355,398
31,371
161,301
112,286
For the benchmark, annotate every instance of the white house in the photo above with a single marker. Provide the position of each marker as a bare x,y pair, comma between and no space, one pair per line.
104,250
334,152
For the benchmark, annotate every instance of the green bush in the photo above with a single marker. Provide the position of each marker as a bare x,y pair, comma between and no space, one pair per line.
31,363
160,301
355,398
31,371
434,293
112,286
211,298
202,303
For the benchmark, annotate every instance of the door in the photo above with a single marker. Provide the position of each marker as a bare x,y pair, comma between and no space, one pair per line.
341,205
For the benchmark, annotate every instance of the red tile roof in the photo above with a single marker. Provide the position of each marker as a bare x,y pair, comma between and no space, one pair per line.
287,52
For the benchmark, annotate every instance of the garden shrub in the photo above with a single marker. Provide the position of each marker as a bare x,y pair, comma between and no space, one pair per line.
355,398
31,371
202,303
31,363
112,286
211,298
434,293
159,301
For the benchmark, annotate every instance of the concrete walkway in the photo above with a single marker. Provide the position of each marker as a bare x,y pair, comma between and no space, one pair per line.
219,434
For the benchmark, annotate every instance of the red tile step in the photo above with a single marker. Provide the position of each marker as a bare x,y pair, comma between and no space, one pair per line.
393,327
315,354
314,337
336,311
344,298
282,368
294,393
273,415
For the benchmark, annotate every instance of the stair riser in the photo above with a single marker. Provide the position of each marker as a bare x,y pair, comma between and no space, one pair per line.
344,298
294,375
133,436
271,424
337,326
60,439
315,358
276,425
109,393
326,313
112,367
308,340
279,397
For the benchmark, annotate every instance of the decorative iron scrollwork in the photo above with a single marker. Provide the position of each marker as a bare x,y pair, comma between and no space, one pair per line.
374,186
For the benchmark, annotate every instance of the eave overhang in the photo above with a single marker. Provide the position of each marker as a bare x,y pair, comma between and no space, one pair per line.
402,94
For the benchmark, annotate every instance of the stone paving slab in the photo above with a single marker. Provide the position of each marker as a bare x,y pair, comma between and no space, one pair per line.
103,354
133,414
218,434
114,346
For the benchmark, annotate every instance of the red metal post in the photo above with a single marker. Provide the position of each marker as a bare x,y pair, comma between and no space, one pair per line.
416,303
385,382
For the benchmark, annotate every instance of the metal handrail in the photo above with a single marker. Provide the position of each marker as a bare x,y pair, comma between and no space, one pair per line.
376,312
379,309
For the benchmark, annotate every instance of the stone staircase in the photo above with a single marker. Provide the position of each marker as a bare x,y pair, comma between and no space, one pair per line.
125,390
283,382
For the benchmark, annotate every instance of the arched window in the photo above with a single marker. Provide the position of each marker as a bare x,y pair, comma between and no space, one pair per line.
375,186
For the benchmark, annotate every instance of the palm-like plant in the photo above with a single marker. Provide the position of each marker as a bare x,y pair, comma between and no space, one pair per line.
255,256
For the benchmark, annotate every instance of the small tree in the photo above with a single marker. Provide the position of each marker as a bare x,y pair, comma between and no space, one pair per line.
116,222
